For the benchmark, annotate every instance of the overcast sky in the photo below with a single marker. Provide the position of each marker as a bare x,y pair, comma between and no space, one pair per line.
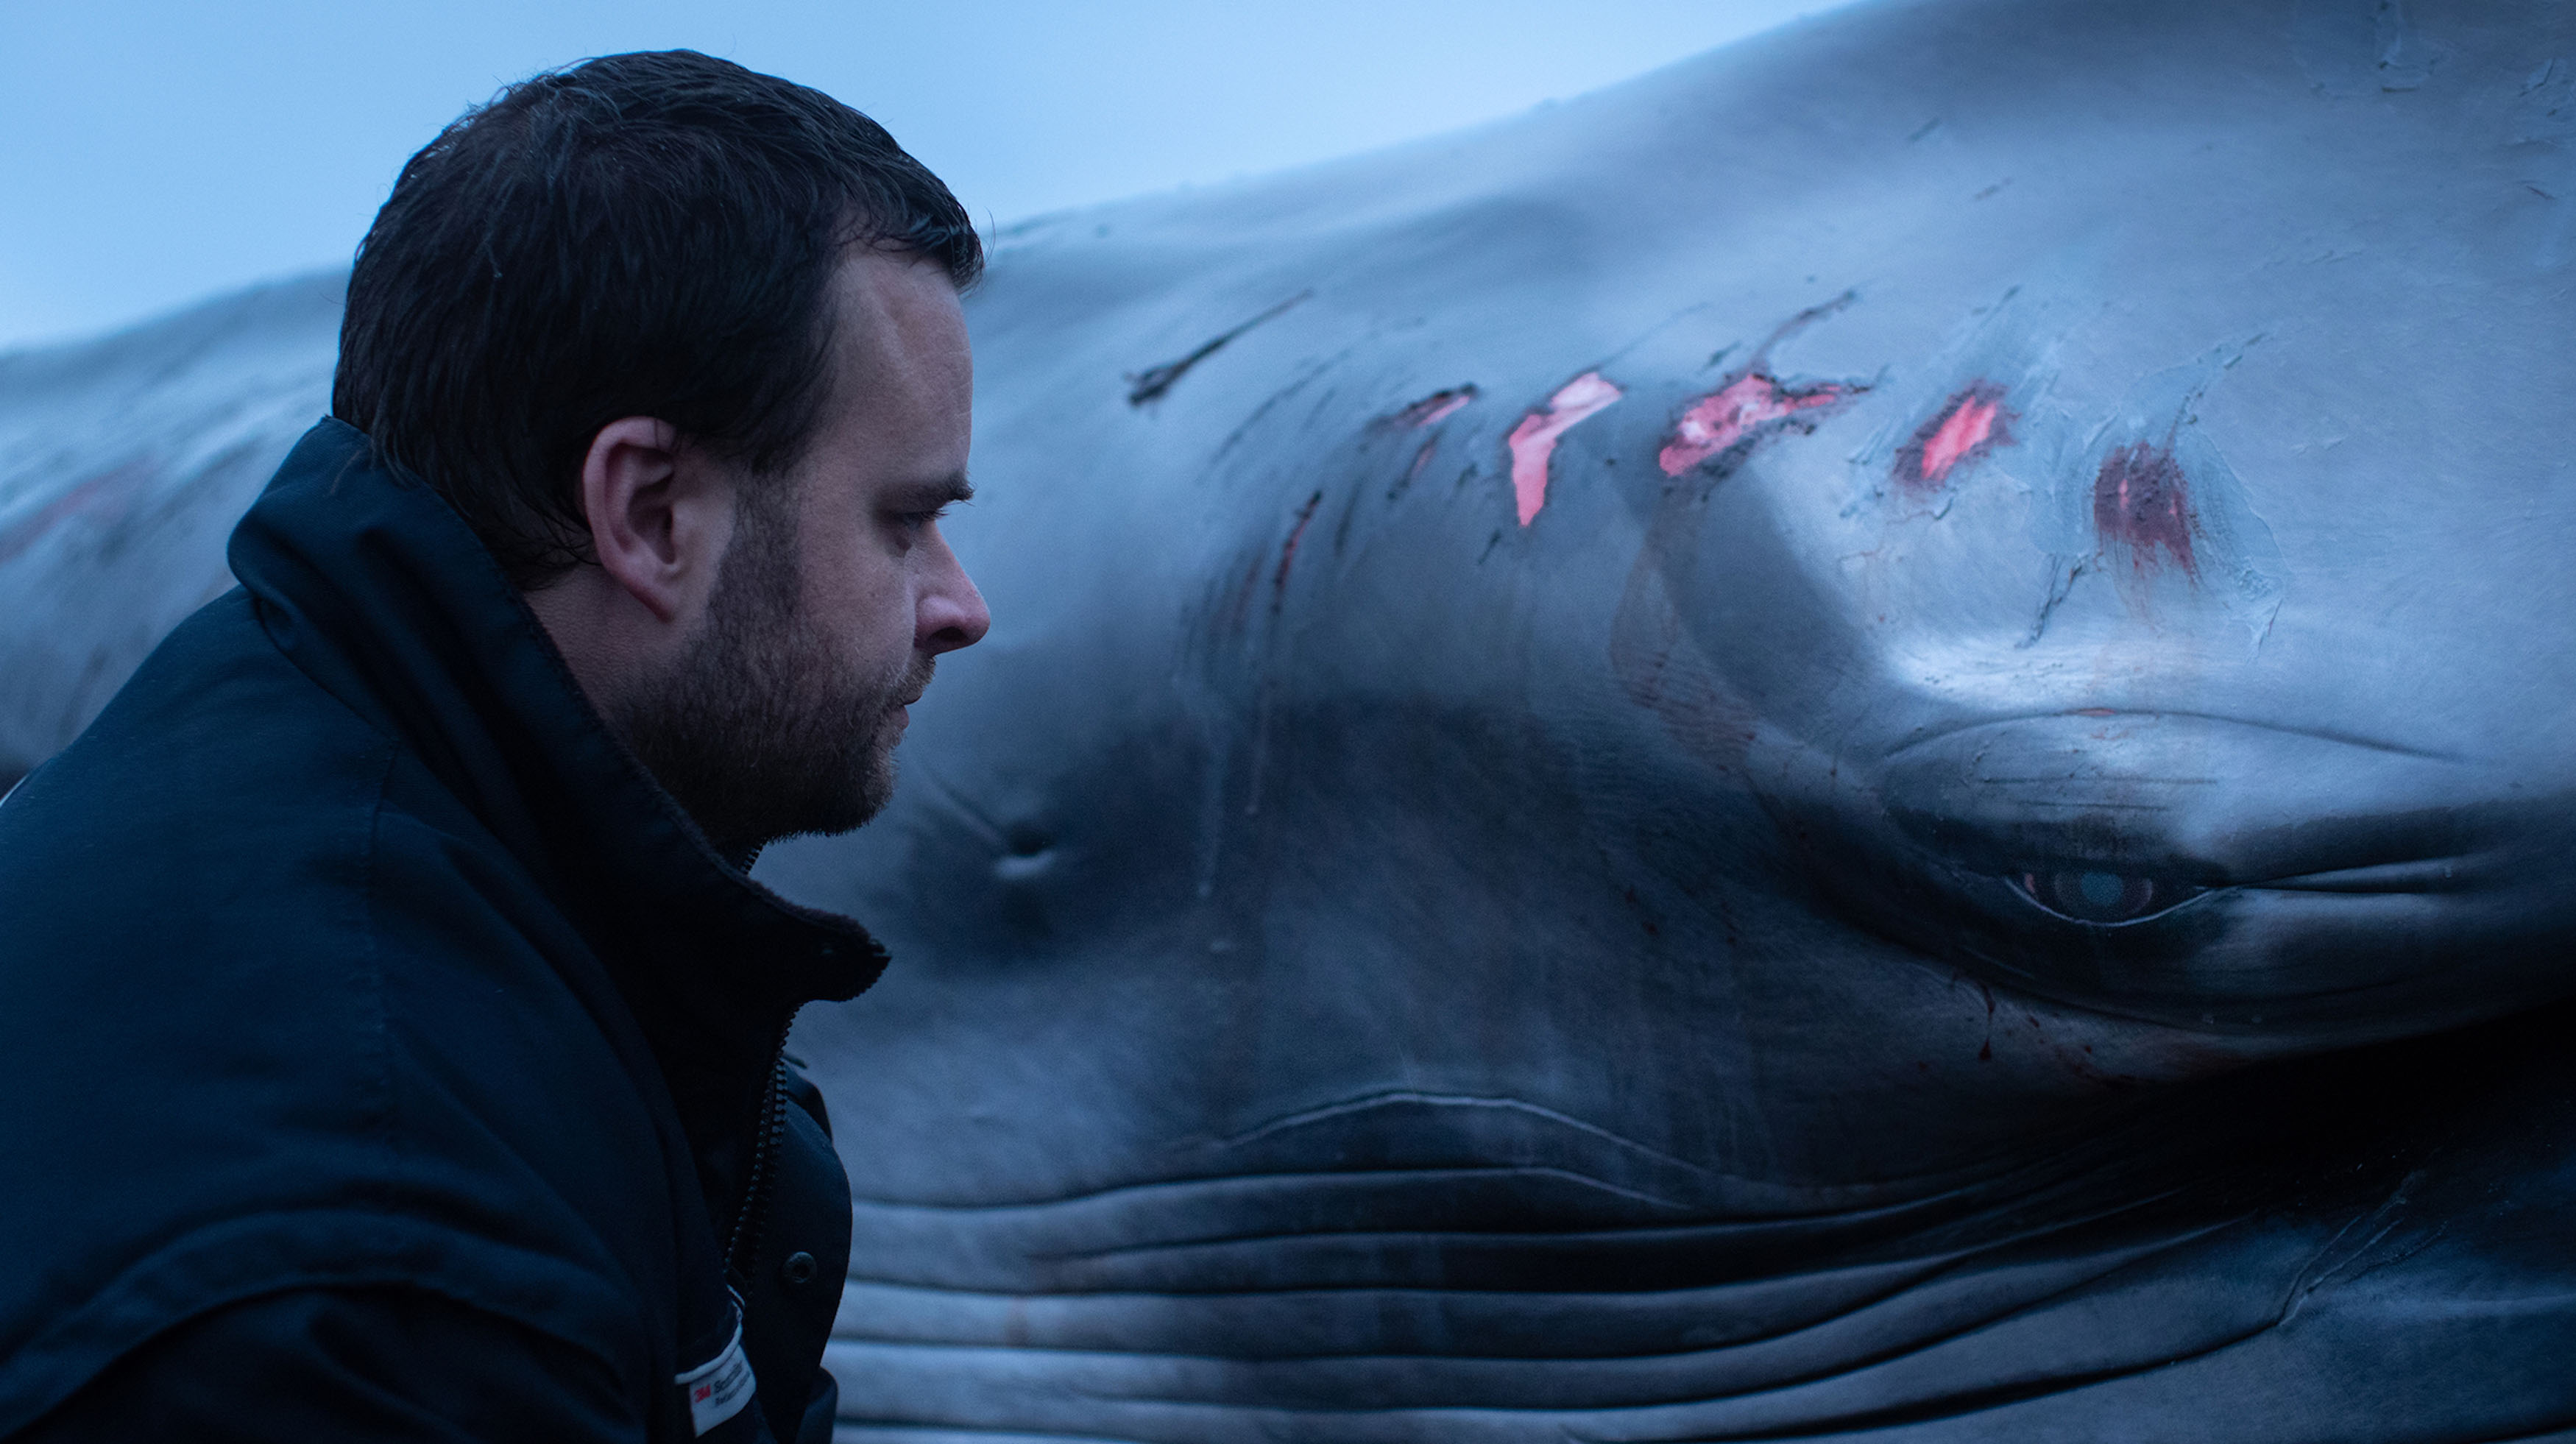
153,152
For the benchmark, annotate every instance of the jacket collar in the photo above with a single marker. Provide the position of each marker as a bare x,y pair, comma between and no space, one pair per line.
373,586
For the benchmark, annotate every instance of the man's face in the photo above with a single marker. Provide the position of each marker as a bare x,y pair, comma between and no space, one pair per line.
836,590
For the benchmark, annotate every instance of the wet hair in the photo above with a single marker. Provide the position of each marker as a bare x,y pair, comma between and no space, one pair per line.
638,235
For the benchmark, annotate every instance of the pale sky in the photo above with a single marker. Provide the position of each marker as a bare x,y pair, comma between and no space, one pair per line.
154,152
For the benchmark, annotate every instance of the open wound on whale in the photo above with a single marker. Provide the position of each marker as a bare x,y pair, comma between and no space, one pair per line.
1533,441
1986,390
2142,501
1753,403
1746,406
1970,424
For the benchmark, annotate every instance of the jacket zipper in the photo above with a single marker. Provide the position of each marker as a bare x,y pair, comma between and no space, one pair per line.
742,1250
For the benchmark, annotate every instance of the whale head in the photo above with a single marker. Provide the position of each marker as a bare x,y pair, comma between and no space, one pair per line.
1838,738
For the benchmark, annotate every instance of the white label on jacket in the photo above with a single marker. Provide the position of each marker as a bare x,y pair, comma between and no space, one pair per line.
718,1388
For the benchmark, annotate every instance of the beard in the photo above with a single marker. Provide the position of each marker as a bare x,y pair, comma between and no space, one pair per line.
764,729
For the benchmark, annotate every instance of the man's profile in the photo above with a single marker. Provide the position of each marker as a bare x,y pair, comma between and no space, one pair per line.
396,1040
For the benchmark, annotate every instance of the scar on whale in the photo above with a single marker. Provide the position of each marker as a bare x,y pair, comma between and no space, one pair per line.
1288,549
2142,499
1428,412
1533,441
1150,383
1435,408
1968,425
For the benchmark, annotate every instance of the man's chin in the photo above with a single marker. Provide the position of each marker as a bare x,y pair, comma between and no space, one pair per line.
752,765
863,793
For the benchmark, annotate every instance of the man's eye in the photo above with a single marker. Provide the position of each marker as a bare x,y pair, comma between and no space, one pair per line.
2102,897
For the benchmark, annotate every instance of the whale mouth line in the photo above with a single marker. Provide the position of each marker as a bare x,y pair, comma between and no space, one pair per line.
1401,1098
1268,1176
1514,1171
1290,1178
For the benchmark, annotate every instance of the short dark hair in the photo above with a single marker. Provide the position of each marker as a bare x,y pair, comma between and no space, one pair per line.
637,235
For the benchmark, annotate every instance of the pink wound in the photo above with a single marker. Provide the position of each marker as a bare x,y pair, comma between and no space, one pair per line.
1970,424
1736,411
1966,429
2142,499
1533,442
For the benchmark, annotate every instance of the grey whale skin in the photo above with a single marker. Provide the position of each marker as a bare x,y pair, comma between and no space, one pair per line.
1867,739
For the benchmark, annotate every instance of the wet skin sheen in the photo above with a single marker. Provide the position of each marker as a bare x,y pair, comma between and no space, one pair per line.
1869,739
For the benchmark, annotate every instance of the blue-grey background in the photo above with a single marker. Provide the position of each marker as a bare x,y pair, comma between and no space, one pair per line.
153,152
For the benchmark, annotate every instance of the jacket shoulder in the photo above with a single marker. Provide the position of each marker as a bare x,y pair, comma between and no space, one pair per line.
284,1021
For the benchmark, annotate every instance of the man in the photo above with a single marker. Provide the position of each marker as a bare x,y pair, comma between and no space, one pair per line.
395,1038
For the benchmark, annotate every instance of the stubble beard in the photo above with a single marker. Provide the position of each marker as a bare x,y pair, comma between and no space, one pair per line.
764,729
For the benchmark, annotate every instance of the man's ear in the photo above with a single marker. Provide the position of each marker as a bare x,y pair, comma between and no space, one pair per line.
659,515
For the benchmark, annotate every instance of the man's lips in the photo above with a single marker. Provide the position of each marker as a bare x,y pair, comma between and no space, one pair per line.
920,679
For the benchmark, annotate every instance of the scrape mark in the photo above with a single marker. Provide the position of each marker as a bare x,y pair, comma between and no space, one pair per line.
1277,398
1435,408
1152,382
1288,550
1738,411
1970,424
2061,583
1428,412
1533,441
2141,498
1421,461
1241,610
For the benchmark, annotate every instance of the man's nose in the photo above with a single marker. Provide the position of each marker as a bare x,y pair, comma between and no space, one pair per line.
951,613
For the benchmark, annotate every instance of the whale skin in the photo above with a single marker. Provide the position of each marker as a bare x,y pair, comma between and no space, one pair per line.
1868,739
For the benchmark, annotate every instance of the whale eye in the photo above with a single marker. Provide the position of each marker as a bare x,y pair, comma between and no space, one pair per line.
2102,897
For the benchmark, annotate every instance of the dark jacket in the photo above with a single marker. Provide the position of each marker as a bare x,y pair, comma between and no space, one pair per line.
386,1055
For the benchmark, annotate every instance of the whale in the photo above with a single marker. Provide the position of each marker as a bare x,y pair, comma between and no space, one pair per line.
124,462
1866,739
